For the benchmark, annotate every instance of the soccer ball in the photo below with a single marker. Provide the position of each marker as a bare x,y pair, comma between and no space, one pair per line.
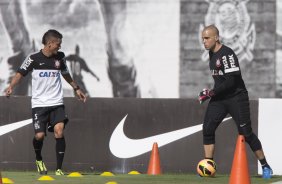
206,168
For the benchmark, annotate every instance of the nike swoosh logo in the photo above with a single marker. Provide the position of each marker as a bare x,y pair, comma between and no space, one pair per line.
123,147
14,126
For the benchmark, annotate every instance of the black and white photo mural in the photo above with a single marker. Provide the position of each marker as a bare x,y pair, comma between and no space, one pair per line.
145,48
247,26
279,50
115,48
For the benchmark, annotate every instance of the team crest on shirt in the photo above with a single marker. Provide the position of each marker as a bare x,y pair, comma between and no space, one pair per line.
57,64
236,30
217,63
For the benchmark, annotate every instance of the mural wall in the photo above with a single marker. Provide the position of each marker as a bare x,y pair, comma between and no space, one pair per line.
249,27
145,48
120,48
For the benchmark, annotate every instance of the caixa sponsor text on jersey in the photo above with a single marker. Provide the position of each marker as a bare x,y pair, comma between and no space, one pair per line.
49,74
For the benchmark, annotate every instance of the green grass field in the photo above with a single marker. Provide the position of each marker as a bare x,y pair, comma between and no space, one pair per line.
90,178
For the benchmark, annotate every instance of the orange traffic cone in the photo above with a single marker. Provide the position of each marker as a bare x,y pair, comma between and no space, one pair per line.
154,167
240,170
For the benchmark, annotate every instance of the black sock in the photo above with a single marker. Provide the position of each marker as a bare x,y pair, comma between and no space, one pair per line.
60,151
37,145
264,163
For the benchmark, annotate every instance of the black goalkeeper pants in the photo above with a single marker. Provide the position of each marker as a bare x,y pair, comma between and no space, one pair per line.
239,109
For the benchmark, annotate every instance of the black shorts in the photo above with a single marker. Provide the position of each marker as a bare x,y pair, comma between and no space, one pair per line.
43,117
237,107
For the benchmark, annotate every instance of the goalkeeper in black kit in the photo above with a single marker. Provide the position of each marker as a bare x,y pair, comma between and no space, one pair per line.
229,96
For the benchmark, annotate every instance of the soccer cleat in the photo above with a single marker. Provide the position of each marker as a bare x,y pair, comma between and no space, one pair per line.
267,173
41,167
59,172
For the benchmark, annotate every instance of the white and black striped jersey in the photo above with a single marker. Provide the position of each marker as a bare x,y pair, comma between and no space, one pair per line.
46,79
226,72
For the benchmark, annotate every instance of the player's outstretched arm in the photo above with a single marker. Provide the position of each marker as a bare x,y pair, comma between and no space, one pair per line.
15,80
81,96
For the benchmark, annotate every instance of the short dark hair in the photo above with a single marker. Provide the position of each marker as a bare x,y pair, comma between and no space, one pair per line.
51,33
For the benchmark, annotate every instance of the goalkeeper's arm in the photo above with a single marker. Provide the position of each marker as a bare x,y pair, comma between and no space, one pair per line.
229,83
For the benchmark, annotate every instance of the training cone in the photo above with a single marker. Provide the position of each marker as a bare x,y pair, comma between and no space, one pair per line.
7,181
134,172
75,174
154,167
46,178
240,169
107,173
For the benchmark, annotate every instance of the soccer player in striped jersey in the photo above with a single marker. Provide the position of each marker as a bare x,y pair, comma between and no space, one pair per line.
48,110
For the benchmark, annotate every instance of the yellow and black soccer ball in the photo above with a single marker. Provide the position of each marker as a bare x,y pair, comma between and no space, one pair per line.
206,168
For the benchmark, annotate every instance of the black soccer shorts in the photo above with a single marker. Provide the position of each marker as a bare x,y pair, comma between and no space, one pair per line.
48,117
237,107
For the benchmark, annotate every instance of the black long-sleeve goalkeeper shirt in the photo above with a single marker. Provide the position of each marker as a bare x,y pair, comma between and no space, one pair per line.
226,73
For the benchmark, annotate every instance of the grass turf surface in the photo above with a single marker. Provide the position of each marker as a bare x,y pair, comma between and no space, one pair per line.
90,178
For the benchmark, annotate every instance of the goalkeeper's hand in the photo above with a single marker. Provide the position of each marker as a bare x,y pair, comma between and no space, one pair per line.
204,95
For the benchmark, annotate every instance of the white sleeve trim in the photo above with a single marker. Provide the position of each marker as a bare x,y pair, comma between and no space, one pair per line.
229,70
